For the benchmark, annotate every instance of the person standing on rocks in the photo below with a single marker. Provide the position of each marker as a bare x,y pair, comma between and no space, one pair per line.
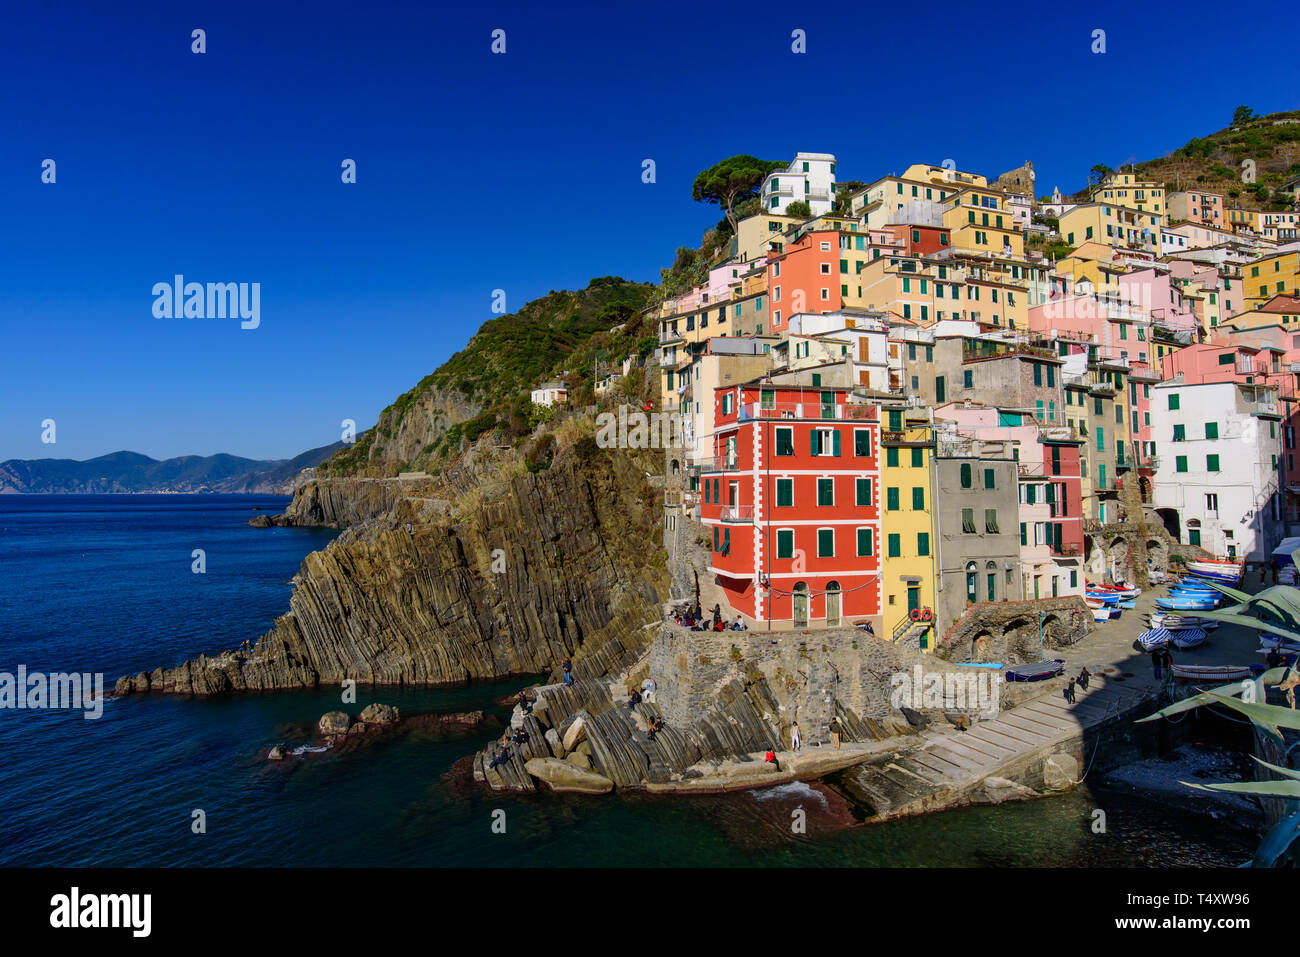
794,736
568,671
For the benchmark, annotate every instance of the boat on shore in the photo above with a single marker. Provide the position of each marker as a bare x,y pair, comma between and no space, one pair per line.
1168,619
1217,569
1179,603
1035,670
1186,638
1212,673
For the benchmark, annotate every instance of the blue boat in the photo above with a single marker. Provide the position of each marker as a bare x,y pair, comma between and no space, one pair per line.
1035,670
1153,638
1105,597
1184,604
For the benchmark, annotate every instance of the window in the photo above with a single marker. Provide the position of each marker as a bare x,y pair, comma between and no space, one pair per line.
891,499
1179,433
991,521
965,475
784,441
968,521
785,543
990,479
1173,401
891,458
895,548
1211,463
967,378
1211,430
918,458
863,491
1180,463
824,441
784,493
864,541
862,442
825,543
918,499
825,491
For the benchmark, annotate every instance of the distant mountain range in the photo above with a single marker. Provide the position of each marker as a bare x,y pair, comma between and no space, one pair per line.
133,472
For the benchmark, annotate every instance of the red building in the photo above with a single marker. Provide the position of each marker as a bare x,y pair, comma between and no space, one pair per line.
920,240
793,500
804,278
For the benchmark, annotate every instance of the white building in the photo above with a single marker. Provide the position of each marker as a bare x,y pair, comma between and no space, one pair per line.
859,336
810,178
550,393
1218,449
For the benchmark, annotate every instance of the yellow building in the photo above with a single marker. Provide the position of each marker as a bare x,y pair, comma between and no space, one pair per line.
1279,273
920,183
992,291
1126,191
979,220
1243,220
1113,225
908,538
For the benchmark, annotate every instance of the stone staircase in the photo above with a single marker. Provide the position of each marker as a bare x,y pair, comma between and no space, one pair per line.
951,762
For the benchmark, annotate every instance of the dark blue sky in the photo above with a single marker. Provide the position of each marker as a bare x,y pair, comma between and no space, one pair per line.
478,172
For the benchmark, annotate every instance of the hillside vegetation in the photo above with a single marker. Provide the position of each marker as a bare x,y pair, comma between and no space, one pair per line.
1214,162
484,389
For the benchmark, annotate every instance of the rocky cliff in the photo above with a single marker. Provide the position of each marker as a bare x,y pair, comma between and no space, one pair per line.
435,583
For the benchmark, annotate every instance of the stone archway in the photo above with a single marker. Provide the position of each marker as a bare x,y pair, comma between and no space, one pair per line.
980,645
1169,518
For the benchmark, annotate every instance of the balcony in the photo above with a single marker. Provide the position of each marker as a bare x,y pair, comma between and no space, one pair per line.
1069,549
737,513
717,463
807,410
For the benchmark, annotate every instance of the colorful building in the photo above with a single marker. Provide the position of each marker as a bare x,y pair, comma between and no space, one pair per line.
908,529
792,497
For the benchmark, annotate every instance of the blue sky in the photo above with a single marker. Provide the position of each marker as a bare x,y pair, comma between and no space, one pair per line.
477,172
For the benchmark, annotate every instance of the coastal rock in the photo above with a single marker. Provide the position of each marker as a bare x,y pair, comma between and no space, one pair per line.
384,605
563,776
260,521
578,759
334,722
1060,772
275,754
556,745
995,790
576,732
379,714
358,728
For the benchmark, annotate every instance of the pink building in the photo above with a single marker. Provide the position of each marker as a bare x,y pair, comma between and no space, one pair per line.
1112,327
1152,292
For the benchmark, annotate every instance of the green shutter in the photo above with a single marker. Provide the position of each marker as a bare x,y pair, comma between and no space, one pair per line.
923,543
785,543
784,493
918,499
835,442
891,499
990,480
864,541
894,546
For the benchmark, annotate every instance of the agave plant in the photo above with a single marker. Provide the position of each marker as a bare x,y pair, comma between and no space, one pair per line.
1277,611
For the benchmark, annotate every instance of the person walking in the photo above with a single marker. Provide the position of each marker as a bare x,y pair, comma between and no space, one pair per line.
794,736
1084,678
1068,691
1155,663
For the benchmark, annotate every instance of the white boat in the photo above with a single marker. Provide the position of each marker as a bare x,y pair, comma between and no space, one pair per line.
1211,672
1186,637
1162,619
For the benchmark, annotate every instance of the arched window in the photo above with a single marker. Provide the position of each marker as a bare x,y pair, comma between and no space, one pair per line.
991,574
972,588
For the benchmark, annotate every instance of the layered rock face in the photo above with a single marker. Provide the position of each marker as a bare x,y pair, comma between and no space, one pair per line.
488,581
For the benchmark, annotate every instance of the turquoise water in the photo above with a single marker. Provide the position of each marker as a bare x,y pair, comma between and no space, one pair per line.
103,583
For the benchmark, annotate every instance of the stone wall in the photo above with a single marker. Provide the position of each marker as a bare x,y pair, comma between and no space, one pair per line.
1009,631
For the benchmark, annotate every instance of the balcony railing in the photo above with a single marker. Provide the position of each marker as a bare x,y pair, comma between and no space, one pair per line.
737,513
807,410
717,463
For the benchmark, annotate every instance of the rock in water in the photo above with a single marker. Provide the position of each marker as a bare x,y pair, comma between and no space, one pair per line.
275,754
380,714
260,521
334,722
563,776
1060,772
